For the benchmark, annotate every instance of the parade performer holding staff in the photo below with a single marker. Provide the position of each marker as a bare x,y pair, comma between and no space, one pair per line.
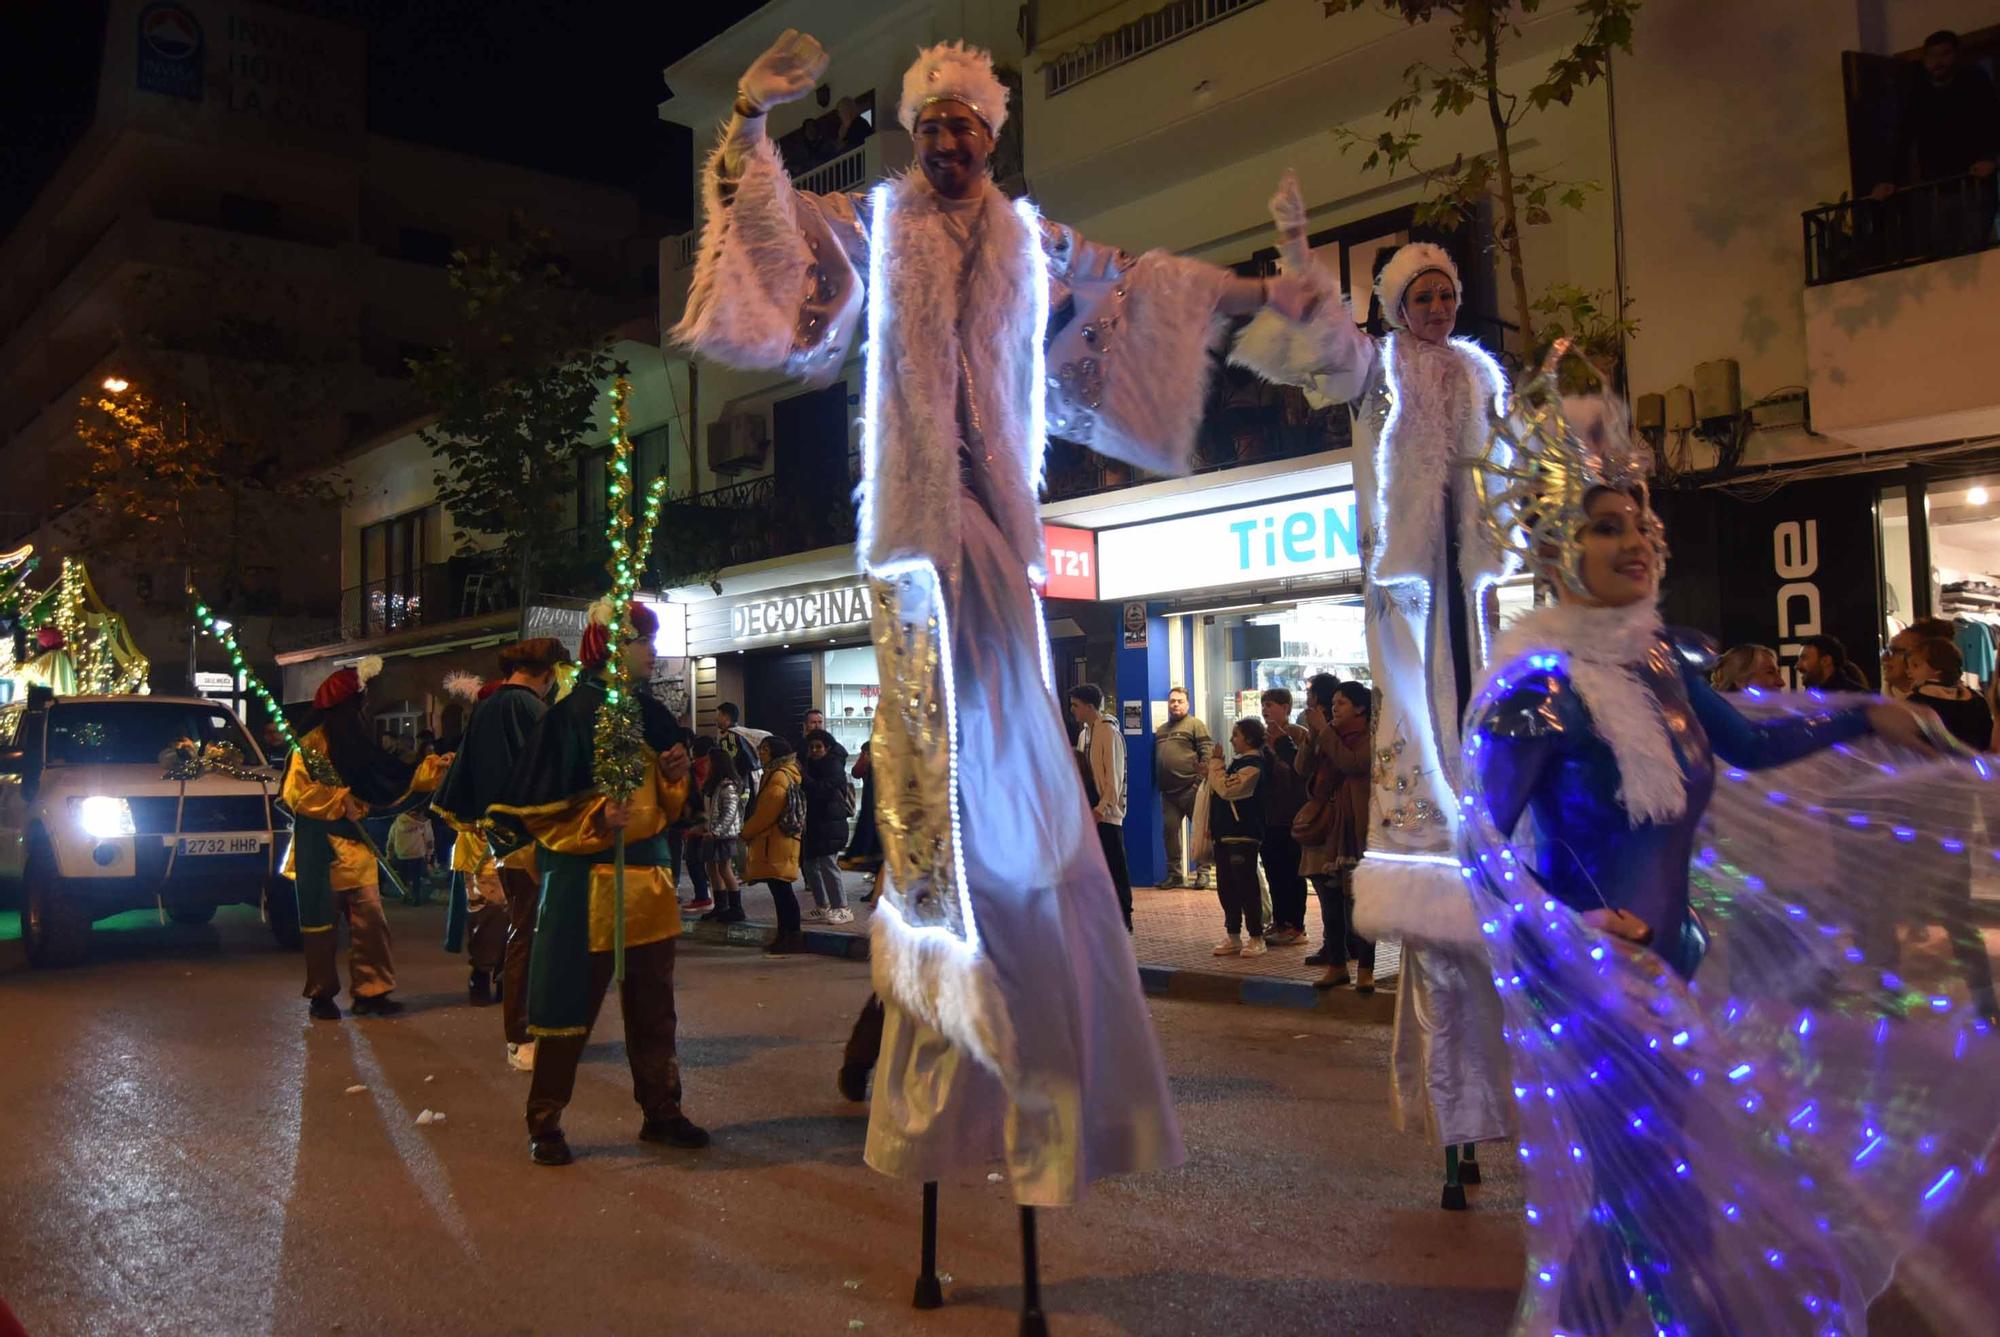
338,776
1015,1029
1422,403
502,888
1755,1152
552,798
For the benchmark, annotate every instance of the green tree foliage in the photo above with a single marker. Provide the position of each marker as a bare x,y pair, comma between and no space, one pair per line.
1470,79
516,392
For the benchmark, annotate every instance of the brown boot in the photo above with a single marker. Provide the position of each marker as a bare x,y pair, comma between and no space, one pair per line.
1364,981
1334,977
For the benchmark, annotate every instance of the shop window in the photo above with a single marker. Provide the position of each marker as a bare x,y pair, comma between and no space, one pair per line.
393,557
1245,653
1965,566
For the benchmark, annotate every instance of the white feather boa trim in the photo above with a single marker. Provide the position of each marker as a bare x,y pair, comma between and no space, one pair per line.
946,983
1602,648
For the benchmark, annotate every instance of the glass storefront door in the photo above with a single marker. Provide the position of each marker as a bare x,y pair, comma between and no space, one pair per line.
1241,654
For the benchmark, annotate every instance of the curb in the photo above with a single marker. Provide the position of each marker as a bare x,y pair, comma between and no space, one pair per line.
1173,982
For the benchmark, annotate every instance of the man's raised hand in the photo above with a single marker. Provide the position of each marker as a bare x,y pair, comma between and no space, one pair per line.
789,70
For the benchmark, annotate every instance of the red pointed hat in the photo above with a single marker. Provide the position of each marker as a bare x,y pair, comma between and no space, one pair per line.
595,649
347,683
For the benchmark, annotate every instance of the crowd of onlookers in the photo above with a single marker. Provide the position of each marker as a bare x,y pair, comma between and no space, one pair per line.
1923,665
1285,809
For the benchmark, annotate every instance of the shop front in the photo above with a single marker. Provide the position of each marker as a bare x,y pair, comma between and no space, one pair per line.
1226,603
779,652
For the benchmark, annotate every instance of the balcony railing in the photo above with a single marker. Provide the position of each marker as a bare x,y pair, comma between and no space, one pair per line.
836,175
1933,221
1149,32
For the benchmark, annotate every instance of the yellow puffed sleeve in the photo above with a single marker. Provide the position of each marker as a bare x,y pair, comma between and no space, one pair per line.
307,797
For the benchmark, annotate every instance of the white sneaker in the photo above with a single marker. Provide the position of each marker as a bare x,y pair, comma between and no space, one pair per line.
521,1058
1254,947
841,916
814,915
1230,946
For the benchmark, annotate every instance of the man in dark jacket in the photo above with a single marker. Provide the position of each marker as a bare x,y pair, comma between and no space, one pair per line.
501,886
829,805
1181,749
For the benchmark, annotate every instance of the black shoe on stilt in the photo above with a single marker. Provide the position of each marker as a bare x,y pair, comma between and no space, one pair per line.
1454,1198
1468,1167
480,989
550,1149
323,1009
375,1005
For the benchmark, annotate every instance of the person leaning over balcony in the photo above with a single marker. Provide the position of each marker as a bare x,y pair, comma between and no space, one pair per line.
1950,125
329,862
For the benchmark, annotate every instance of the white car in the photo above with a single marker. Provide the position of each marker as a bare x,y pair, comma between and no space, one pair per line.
99,815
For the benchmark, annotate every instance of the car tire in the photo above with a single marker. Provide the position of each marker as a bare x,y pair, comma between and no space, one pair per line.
281,912
55,930
192,914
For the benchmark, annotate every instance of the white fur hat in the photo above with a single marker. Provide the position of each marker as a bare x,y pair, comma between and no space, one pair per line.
953,72
1418,257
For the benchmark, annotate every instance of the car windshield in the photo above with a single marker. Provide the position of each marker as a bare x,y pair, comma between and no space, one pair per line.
113,733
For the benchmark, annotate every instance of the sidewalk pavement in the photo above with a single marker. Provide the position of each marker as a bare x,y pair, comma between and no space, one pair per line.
1172,934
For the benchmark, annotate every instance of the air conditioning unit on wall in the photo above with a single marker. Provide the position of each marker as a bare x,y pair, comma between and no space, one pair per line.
737,443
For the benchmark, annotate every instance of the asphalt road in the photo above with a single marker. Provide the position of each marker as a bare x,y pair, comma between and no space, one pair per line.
184,1156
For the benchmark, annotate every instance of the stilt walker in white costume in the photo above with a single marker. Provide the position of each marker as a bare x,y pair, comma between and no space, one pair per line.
1422,403
1016,1032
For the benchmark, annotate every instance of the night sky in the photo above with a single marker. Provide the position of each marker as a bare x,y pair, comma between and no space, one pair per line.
570,88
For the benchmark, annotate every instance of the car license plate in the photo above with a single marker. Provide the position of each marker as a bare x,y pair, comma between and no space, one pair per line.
221,844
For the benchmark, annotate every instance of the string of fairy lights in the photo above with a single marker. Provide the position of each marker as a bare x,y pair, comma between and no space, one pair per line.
213,626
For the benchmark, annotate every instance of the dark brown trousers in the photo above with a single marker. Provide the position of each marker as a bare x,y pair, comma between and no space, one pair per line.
647,997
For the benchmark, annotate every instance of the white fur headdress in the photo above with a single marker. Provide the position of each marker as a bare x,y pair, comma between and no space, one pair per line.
367,668
954,72
1418,257
464,686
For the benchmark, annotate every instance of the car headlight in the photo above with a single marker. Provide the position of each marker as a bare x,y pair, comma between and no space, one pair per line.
102,816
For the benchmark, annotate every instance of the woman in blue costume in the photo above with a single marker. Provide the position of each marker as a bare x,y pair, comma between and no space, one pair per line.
1742,1111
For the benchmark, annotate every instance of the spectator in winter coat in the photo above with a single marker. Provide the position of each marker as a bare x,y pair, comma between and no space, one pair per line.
829,803
1284,794
1823,664
1101,757
720,834
1337,765
773,853
1236,828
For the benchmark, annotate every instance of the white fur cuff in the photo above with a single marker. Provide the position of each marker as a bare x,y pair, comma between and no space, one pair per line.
1416,902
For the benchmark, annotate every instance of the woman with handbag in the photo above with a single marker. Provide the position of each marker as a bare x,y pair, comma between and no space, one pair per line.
1332,827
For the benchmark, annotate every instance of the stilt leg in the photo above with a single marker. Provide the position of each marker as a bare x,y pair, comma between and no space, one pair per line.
1468,1163
929,1294
1454,1188
1033,1324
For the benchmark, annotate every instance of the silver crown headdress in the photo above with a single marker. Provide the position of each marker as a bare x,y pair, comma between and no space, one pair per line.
1544,458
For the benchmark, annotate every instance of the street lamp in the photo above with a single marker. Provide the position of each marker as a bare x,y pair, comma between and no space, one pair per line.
117,385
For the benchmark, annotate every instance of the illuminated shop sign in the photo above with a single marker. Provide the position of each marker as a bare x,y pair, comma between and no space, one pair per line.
1072,562
1316,535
